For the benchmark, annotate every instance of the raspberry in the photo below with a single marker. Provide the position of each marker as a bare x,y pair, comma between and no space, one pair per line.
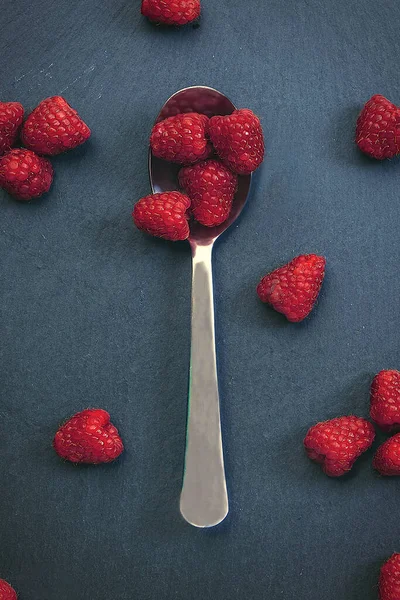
88,437
389,579
385,400
181,138
378,128
171,12
6,591
25,175
54,127
163,215
387,457
336,444
294,288
211,187
238,140
11,116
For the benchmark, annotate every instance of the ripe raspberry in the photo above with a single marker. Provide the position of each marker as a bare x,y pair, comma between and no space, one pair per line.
389,579
378,128
171,12
294,288
337,443
25,175
181,138
88,437
211,187
387,457
385,400
6,591
238,140
11,116
54,127
163,215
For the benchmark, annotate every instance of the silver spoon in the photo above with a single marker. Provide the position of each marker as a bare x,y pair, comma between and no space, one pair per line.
204,497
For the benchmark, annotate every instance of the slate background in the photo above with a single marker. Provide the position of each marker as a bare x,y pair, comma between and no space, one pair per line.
93,313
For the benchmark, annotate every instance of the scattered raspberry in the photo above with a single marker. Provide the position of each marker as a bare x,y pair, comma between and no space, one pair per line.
378,128
387,457
389,580
337,443
6,591
181,138
25,175
88,437
294,288
211,187
11,116
238,140
54,127
171,12
163,215
385,400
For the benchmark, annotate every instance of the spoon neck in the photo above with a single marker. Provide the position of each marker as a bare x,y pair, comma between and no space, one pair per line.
201,252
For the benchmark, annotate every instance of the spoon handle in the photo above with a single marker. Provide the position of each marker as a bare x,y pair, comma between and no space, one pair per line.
204,498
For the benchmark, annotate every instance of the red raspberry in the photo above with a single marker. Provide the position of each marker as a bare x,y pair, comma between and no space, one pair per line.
171,12
389,579
6,591
378,128
88,437
181,138
54,127
337,443
294,288
25,175
11,116
211,187
163,215
387,457
238,140
385,400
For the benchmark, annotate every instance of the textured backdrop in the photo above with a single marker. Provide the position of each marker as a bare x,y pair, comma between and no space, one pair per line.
93,313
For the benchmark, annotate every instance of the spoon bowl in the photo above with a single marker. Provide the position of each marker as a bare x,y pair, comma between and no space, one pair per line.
164,175
204,497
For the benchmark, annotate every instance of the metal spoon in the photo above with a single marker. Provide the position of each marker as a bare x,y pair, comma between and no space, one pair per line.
204,497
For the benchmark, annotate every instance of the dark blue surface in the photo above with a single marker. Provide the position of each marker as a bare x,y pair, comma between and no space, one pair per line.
93,313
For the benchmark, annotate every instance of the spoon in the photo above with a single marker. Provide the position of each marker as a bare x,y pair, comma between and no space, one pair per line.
204,497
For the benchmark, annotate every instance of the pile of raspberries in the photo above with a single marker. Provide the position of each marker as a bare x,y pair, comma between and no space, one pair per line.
213,153
53,127
336,444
